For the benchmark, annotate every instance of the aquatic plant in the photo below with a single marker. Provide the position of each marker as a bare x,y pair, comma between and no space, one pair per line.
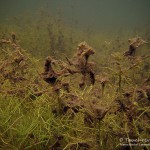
56,104
133,45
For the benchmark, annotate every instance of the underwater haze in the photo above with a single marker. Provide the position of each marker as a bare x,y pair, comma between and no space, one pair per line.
98,14
74,75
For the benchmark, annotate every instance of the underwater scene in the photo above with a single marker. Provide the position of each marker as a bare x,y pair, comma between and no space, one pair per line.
74,74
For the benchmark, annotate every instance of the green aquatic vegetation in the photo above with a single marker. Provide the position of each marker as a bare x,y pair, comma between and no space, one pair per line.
84,103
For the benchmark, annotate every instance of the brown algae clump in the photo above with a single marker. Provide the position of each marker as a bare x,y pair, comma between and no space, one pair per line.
134,43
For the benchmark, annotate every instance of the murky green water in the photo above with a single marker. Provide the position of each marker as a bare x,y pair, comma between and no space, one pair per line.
98,14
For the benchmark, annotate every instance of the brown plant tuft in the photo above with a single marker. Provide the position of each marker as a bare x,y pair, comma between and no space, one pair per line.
133,45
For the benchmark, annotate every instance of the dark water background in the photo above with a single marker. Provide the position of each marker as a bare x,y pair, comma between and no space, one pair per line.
98,14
